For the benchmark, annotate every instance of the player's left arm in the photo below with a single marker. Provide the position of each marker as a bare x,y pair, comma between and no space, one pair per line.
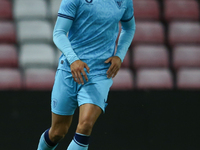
125,39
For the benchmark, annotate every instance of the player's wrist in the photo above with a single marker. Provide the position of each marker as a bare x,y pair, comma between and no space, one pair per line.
119,58
73,60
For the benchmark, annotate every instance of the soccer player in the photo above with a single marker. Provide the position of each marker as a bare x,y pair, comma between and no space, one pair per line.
87,65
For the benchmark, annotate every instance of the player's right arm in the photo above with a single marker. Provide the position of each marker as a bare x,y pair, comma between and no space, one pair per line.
62,26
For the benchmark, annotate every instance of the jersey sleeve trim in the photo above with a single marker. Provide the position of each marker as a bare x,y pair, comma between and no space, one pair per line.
65,16
127,19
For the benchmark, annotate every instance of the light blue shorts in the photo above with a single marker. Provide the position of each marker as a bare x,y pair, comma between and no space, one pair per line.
67,95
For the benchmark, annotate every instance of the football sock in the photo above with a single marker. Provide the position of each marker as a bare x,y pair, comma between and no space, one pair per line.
79,142
45,143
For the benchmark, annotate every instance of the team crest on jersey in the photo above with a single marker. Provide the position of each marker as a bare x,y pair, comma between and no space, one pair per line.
89,1
119,3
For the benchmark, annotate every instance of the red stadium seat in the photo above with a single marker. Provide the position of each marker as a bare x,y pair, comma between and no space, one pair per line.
146,9
186,56
8,56
149,32
123,80
184,33
188,79
145,56
7,32
39,79
154,79
10,79
181,10
5,9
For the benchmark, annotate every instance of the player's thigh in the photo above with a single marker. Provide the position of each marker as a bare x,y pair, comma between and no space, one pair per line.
89,113
95,91
64,96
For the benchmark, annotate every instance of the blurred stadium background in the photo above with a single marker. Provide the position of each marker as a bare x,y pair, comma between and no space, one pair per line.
164,54
159,79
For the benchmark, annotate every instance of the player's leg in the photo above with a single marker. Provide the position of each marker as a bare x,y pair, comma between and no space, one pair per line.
59,128
92,98
63,105
88,114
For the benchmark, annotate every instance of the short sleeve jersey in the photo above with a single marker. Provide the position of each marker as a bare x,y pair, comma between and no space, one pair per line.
94,30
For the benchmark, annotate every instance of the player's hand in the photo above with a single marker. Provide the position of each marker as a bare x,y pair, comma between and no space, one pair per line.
114,67
77,70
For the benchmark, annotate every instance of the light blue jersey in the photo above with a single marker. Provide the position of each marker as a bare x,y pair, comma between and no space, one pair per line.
94,30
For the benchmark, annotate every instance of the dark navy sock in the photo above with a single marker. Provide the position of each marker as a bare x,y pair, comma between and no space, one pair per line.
46,137
81,139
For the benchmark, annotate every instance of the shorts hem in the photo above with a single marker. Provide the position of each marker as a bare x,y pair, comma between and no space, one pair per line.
62,114
102,108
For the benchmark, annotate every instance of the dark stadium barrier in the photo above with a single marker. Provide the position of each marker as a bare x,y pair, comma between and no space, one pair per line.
134,120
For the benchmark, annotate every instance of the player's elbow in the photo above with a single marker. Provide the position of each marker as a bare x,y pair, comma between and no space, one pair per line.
131,29
56,35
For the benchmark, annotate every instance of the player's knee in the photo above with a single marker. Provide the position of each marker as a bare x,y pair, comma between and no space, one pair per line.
58,135
85,127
